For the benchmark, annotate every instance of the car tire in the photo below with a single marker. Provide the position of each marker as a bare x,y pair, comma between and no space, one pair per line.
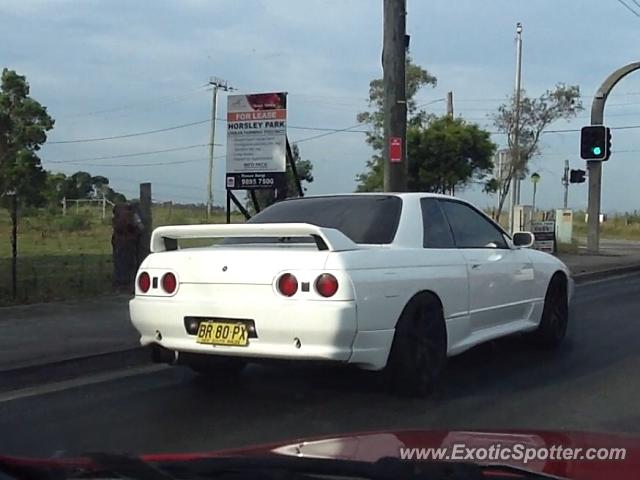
419,350
555,315
213,365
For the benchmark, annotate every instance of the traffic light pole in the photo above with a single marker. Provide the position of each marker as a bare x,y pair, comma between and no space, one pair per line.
565,184
594,167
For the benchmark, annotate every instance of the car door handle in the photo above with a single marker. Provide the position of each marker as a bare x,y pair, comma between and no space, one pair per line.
475,266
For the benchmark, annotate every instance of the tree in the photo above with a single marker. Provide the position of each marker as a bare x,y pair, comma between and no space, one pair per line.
23,126
305,173
54,188
78,186
447,155
536,114
82,185
417,78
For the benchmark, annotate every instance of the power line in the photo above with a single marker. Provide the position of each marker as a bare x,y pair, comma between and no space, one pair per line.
161,184
327,129
154,164
431,102
185,125
137,105
350,129
333,132
129,135
629,8
126,155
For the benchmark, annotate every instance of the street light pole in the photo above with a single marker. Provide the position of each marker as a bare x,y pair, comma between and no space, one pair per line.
594,168
515,194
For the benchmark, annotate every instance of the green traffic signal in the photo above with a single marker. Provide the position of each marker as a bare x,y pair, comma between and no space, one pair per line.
594,142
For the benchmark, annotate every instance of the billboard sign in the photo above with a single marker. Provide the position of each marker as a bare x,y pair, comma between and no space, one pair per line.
256,141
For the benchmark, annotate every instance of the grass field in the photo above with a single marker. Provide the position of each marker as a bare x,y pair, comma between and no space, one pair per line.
69,257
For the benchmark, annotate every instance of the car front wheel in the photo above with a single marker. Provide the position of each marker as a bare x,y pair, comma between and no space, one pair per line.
555,315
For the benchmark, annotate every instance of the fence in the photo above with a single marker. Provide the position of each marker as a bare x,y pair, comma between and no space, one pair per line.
45,278
103,202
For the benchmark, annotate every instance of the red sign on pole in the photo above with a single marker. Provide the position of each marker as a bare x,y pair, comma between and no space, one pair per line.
395,149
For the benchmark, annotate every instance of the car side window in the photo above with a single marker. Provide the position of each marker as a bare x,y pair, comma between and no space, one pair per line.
437,233
470,229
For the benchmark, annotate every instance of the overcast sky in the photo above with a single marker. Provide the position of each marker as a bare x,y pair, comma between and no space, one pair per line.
108,68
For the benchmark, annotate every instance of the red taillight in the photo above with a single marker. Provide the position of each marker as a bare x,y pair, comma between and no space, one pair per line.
144,282
287,285
326,285
169,282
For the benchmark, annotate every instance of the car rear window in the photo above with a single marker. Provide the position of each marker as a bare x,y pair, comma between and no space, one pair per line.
366,219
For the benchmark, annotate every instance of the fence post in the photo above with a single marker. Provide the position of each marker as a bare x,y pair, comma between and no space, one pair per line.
104,207
147,221
64,206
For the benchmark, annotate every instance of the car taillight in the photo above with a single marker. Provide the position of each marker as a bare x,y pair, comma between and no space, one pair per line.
326,285
169,282
144,282
288,285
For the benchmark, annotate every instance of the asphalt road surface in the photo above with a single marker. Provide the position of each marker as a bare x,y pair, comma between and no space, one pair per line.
591,383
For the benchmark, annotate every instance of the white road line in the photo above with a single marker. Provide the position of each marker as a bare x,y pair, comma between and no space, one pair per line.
78,382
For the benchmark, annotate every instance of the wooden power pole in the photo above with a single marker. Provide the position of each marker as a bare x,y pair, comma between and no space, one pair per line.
450,104
395,101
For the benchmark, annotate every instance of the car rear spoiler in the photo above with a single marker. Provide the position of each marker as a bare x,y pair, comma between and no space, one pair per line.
165,238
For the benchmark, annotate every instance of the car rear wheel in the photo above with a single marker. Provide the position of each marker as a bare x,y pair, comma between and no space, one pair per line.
213,365
555,315
419,350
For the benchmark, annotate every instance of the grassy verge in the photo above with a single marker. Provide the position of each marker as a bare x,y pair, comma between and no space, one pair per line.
568,247
61,258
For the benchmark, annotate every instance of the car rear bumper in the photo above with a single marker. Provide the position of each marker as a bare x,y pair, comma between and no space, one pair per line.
286,329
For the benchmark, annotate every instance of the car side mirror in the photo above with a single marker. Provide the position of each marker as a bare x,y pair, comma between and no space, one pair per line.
523,239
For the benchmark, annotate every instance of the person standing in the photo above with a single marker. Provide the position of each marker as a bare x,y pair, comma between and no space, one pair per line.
127,229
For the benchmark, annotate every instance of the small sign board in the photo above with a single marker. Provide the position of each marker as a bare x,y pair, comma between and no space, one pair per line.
395,149
545,235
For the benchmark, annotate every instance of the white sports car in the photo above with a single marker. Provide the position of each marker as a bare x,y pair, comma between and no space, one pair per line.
382,281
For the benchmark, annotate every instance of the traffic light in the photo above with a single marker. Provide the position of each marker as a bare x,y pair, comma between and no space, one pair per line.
595,142
577,176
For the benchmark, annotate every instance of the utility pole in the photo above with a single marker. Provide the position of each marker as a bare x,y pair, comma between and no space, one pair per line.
450,104
515,194
216,83
565,184
395,101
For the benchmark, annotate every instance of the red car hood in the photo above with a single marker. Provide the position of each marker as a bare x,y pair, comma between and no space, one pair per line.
372,446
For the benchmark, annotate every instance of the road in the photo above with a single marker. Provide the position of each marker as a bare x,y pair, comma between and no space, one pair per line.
591,383
613,246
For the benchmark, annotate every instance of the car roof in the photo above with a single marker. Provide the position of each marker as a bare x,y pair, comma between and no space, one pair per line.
407,195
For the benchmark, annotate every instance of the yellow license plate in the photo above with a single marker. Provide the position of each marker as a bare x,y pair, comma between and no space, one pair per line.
223,333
